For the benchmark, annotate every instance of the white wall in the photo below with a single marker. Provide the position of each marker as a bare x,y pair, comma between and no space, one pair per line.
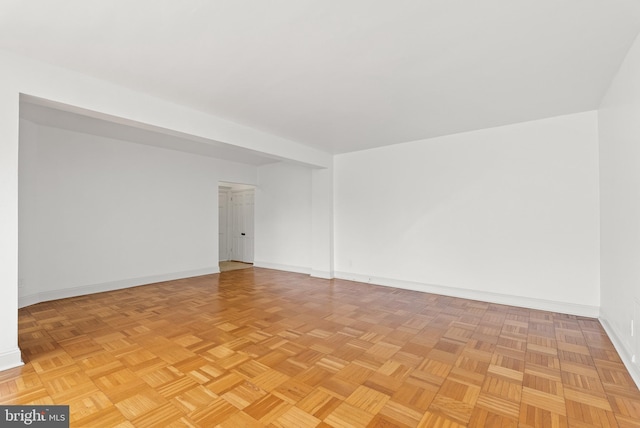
322,257
19,75
283,217
9,352
619,122
507,214
98,213
28,209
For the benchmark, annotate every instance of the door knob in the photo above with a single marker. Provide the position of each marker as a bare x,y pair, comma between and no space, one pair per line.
243,234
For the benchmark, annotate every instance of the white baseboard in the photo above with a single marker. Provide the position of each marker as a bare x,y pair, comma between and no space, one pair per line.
28,300
297,269
321,274
286,268
624,352
484,296
45,296
10,359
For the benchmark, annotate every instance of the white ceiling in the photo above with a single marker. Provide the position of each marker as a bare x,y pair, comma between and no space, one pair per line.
341,75
44,113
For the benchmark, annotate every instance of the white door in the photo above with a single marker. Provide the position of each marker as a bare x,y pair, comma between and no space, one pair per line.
248,201
237,226
223,225
242,239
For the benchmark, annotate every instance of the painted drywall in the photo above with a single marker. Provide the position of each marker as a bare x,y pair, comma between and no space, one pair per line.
9,352
28,209
322,223
283,217
619,126
19,75
98,213
506,214
76,92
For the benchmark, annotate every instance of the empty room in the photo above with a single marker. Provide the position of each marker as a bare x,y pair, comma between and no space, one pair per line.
320,213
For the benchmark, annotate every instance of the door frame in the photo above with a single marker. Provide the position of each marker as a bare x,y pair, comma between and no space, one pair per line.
230,188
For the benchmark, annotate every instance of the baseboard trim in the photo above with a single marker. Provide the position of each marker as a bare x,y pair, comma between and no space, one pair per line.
28,300
296,269
45,296
286,268
484,296
10,359
624,352
321,274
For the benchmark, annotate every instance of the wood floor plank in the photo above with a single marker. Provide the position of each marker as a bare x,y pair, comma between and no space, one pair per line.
258,347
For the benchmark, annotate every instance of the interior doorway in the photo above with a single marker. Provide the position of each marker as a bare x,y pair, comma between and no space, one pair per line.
236,203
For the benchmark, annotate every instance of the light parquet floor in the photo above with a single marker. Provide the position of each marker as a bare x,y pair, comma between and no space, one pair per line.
226,266
258,347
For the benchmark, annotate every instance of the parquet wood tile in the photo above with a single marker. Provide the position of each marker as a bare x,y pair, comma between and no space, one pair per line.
262,348
348,416
395,414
